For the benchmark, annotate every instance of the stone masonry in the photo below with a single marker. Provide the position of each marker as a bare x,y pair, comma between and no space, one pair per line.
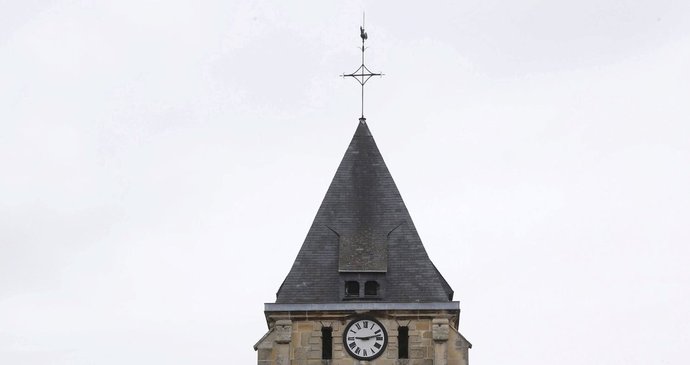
433,340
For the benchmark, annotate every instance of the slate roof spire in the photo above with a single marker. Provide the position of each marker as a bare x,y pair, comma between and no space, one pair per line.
363,228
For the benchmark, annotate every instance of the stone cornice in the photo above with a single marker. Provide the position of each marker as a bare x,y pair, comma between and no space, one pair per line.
360,306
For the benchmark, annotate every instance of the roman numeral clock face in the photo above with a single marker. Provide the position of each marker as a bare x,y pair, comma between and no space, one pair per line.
365,338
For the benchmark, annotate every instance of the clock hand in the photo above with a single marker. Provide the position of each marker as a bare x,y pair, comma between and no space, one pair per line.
365,338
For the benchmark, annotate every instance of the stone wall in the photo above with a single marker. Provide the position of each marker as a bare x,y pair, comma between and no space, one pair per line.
432,341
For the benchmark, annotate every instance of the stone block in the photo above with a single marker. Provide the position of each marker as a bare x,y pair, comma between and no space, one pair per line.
440,329
315,339
264,354
422,326
283,330
304,339
305,327
417,353
300,354
315,354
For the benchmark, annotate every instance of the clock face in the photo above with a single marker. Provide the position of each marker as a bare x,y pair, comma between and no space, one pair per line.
365,338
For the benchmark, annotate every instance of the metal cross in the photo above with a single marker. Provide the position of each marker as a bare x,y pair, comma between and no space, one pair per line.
362,74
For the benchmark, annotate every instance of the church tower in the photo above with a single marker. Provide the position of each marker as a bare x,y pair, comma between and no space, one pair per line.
362,289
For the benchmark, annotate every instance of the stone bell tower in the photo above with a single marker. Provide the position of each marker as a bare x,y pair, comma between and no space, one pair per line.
362,289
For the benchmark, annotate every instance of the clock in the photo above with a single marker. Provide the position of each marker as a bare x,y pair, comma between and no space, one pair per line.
365,338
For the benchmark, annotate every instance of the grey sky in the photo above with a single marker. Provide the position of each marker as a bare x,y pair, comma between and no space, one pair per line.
161,162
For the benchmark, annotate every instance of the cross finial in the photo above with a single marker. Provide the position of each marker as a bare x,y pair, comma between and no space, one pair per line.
362,74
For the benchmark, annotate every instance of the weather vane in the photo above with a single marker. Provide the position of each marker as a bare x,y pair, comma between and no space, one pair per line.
362,74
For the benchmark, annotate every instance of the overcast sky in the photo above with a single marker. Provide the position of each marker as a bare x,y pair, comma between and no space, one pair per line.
162,161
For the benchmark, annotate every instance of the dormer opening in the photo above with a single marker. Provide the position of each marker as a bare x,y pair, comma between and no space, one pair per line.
351,288
371,288
362,286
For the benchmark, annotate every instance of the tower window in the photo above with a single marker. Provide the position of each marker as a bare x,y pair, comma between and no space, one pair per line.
371,288
326,343
403,341
351,289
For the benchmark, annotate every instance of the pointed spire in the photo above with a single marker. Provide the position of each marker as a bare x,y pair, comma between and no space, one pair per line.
363,226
